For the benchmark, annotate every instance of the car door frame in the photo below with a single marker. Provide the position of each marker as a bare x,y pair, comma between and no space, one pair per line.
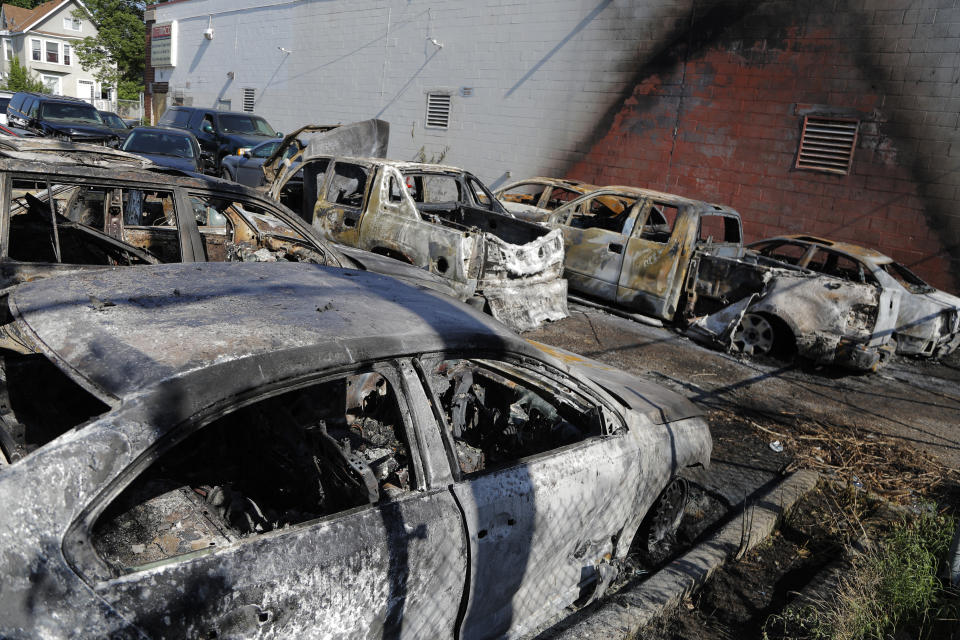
607,467
12,271
654,273
594,257
431,492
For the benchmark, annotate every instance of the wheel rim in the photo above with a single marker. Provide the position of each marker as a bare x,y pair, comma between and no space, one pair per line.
669,512
754,335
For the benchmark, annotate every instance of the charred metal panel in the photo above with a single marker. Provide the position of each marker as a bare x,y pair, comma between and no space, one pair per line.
394,570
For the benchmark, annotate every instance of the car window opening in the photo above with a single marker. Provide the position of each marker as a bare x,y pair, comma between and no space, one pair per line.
496,420
38,402
91,225
280,462
659,223
236,231
607,212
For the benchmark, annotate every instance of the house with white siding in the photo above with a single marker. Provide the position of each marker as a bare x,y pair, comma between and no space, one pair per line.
43,38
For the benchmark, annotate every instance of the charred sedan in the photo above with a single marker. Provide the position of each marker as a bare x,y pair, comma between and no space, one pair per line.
927,319
277,450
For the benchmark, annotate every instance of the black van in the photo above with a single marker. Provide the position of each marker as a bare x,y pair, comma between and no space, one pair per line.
59,117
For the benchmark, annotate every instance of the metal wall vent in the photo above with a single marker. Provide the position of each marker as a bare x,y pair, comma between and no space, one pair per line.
438,110
249,99
827,144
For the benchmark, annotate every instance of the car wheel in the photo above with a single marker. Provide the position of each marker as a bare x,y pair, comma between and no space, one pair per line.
754,336
658,534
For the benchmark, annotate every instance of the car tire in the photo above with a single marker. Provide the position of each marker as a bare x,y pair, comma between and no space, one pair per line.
755,335
657,537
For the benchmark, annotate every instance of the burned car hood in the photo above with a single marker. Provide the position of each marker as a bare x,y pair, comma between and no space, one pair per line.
375,263
364,139
652,400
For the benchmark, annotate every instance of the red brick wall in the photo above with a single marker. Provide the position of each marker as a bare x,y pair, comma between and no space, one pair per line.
733,107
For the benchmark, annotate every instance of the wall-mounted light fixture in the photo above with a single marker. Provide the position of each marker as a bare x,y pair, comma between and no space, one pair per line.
208,32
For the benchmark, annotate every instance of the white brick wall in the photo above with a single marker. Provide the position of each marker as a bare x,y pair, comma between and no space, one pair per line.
543,73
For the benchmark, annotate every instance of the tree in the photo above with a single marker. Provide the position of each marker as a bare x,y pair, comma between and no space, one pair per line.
26,4
116,53
19,78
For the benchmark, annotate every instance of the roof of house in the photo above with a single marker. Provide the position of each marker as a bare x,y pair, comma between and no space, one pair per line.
19,19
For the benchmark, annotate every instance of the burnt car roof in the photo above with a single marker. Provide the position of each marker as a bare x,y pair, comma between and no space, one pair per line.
127,329
638,192
49,156
864,254
56,152
569,183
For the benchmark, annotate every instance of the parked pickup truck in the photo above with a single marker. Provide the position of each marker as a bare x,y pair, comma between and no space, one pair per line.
680,259
439,218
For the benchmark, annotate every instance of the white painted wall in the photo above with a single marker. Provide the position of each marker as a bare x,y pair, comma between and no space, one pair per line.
543,72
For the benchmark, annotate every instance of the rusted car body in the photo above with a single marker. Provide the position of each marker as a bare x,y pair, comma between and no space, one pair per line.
927,319
298,451
66,207
534,198
678,259
439,218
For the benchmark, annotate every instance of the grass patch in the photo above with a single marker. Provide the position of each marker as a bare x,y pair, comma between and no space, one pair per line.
892,587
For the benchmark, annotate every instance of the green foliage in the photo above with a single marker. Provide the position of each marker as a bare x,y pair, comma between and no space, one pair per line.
893,587
26,4
19,78
116,54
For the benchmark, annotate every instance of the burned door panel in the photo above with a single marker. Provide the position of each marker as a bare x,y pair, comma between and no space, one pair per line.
292,514
657,256
544,494
595,239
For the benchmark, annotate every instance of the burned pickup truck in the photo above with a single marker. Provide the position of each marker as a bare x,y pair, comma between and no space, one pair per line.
439,218
683,260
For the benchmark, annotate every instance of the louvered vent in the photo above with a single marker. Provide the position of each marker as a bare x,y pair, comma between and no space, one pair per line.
249,99
827,144
438,110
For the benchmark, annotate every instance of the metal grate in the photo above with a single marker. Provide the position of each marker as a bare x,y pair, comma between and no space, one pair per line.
438,110
827,144
249,99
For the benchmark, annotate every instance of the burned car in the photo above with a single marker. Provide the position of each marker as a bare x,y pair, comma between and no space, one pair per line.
67,207
439,218
927,319
679,259
210,450
534,198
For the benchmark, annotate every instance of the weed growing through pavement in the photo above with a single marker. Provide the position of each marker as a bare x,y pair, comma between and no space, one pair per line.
892,586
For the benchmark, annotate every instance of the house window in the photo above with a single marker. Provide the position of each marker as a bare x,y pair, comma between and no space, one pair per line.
66,54
71,24
249,99
827,144
53,52
52,83
7,51
438,110
35,50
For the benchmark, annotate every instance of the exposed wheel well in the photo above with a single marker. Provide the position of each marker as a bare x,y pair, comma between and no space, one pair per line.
784,341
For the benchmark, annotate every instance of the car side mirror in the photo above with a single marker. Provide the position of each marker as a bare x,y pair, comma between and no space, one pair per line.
207,127
246,154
